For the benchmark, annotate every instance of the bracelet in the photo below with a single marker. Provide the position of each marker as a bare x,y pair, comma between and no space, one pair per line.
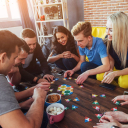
113,126
37,79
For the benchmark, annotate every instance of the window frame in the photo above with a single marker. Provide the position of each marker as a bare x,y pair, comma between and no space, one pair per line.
9,22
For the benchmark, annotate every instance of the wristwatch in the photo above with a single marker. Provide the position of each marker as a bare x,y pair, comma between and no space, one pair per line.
37,79
113,126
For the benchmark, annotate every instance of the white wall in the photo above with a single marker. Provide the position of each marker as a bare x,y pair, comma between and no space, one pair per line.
15,30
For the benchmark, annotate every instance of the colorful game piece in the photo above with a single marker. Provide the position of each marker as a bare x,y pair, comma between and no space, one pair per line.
52,82
76,99
103,95
98,116
67,100
87,119
66,108
64,78
56,79
97,108
117,103
51,90
114,109
93,95
69,78
95,102
81,86
26,88
74,107
66,89
75,79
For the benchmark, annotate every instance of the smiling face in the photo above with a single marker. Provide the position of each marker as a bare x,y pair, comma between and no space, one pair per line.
21,58
31,42
109,29
62,38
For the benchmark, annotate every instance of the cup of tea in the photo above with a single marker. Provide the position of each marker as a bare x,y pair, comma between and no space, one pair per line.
55,112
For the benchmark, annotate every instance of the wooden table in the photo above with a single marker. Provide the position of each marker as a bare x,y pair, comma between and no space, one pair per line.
76,118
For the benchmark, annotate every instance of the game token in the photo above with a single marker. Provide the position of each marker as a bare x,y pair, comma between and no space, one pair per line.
66,89
74,107
66,108
95,102
87,119
114,109
98,116
76,99
93,95
56,79
67,100
81,86
51,90
64,78
69,78
103,95
97,108
117,103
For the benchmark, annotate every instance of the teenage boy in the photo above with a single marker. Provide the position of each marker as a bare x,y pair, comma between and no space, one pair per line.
31,67
14,74
10,114
93,48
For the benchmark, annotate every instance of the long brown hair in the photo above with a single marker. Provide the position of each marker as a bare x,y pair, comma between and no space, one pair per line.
70,45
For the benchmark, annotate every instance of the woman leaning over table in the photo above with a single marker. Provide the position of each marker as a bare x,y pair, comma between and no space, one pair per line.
64,49
117,48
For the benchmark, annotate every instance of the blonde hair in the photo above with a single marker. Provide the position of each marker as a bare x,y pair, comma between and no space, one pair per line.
120,35
82,26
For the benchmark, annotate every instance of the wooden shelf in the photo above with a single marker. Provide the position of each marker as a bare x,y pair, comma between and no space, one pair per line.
44,5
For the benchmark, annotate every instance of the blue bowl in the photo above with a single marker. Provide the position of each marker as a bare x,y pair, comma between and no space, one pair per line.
47,103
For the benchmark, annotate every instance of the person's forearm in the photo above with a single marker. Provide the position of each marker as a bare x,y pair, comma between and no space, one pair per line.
100,69
35,113
15,78
77,67
24,94
52,59
121,72
124,126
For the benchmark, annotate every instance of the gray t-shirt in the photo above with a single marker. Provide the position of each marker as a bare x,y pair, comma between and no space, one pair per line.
8,100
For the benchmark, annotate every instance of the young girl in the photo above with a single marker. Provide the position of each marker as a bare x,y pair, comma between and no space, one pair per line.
117,47
64,49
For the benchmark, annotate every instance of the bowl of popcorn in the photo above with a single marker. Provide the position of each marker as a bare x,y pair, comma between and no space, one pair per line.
52,98
55,112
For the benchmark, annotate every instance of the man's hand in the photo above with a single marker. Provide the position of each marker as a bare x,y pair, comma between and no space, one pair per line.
68,73
107,122
14,70
81,78
43,85
41,80
109,78
48,77
39,93
26,104
118,115
122,98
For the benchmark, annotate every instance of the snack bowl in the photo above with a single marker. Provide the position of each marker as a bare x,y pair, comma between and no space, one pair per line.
57,116
47,103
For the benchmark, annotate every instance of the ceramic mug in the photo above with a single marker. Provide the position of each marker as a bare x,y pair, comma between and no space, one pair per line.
55,118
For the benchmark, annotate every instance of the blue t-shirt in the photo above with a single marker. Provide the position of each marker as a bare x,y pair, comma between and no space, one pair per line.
97,51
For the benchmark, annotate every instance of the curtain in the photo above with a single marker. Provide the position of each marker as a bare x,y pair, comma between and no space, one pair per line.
26,13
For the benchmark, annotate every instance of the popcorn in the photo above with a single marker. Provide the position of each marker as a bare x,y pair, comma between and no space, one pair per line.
55,110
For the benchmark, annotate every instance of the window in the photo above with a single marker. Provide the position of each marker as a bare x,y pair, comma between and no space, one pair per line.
9,12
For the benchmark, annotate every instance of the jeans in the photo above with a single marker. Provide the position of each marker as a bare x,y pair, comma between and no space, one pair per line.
87,66
66,64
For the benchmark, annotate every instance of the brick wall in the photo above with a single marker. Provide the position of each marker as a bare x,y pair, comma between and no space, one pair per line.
96,11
